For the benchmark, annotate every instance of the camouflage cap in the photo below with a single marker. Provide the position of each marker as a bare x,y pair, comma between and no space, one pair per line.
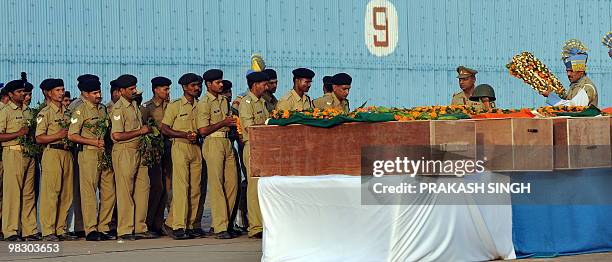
464,72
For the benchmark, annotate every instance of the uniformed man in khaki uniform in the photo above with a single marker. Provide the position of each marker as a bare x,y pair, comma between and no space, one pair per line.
154,109
268,96
85,117
467,81
179,123
213,122
234,136
18,202
56,180
582,91
131,177
296,98
337,99
4,100
77,213
253,112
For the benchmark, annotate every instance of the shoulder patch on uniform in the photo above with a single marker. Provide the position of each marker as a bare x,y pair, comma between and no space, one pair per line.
39,119
117,118
328,103
74,120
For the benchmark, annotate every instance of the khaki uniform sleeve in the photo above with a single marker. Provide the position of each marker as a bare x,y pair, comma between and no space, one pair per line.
456,100
170,115
247,117
42,123
591,93
3,120
283,105
76,122
203,114
117,120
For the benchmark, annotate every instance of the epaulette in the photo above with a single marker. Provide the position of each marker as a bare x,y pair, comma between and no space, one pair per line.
286,96
175,100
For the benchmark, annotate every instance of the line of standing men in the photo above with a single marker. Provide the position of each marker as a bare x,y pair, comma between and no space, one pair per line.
132,196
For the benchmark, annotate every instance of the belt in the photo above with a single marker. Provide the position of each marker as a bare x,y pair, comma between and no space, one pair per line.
221,134
15,147
90,147
128,145
183,140
59,146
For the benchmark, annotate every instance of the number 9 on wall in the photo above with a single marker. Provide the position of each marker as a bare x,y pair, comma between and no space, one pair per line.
381,32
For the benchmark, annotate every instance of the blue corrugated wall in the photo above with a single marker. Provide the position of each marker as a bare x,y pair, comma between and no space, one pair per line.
65,38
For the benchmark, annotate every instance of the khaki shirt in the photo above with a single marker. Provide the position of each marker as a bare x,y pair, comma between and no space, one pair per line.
152,109
292,101
252,112
330,100
109,107
125,117
212,110
77,102
270,101
86,113
49,121
180,115
588,86
459,98
13,118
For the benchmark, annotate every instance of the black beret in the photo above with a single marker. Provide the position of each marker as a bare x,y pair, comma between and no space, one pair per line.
160,81
51,83
271,73
327,80
89,85
342,79
257,77
227,84
13,85
212,75
303,73
189,78
113,85
87,76
125,81
29,87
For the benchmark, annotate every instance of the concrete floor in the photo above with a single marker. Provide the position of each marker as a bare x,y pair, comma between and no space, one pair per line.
240,249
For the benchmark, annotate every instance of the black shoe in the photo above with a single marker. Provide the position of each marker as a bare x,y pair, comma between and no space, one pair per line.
234,233
79,234
179,234
67,237
257,235
127,237
14,238
51,237
35,237
167,231
223,235
195,233
146,235
108,235
93,236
